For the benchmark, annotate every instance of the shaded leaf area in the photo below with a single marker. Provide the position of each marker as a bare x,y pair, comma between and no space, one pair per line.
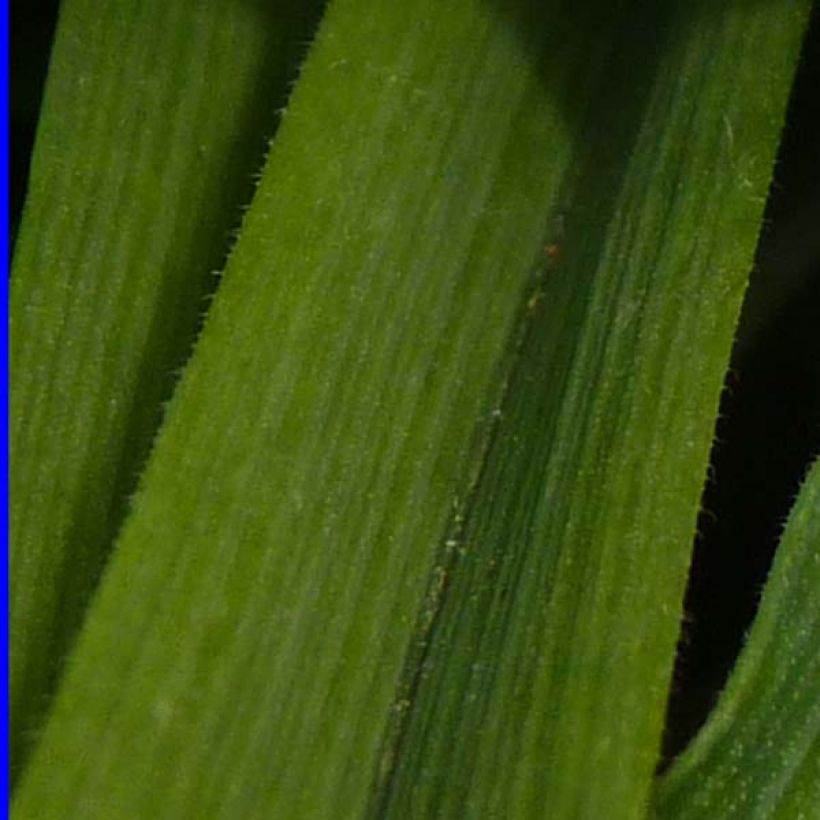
758,756
154,120
769,425
538,680
242,654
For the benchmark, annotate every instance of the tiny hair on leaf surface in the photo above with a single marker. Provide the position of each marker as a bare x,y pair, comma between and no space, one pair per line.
141,166
330,417
758,756
543,680
413,536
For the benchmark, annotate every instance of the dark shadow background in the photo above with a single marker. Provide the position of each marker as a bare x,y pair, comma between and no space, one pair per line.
770,413
769,428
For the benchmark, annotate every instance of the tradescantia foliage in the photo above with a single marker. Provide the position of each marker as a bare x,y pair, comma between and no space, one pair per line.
412,539
759,754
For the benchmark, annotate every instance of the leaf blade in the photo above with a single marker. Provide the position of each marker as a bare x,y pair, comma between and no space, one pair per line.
349,486
544,679
139,172
757,755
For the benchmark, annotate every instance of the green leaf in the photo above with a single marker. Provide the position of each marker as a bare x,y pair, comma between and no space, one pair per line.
155,117
243,652
758,756
485,294
538,687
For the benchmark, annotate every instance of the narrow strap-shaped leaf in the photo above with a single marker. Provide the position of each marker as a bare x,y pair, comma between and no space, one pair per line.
539,681
154,120
246,643
758,756
242,655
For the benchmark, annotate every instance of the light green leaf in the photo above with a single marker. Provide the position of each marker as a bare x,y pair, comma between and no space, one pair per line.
758,756
155,117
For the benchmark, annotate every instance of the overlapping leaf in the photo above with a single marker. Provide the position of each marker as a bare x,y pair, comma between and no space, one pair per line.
414,535
759,754
156,116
